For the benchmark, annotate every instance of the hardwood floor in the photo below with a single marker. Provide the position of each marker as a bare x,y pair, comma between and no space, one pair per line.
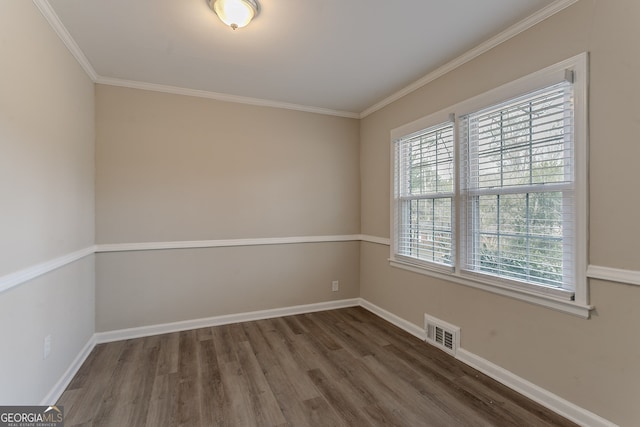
335,368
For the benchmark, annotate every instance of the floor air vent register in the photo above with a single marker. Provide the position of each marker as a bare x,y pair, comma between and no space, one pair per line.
441,334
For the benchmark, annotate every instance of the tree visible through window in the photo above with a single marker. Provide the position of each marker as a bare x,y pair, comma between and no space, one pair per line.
492,191
425,184
519,186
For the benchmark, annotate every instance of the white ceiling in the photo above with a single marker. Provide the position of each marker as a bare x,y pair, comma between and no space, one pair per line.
343,55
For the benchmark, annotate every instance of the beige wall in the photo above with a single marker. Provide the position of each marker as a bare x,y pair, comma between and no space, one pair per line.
47,193
154,287
592,363
174,168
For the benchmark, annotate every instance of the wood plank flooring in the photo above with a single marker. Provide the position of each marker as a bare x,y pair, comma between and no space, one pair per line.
335,368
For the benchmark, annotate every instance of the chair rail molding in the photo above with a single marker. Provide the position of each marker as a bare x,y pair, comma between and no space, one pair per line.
619,275
14,279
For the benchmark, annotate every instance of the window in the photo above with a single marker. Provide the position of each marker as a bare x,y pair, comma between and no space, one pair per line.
492,192
424,182
518,188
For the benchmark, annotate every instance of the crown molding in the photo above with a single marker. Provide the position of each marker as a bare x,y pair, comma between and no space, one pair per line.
494,41
223,97
50,15
55,23
52,18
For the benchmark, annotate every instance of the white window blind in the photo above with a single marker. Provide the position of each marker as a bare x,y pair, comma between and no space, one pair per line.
518,189
424,192
497,198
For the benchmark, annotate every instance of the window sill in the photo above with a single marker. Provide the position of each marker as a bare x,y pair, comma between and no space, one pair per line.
554,303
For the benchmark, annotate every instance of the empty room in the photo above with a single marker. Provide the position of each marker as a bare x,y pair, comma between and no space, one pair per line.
305,213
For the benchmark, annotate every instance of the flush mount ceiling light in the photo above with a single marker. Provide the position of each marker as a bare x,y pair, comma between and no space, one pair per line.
235,13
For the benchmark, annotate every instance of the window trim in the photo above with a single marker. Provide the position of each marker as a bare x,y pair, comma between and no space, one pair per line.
397,202
558,299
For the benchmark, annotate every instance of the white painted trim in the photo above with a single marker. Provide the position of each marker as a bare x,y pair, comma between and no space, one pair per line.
223,97
538,394
165,328
14,279
565,306
405,325
618,275
629,277
496,40
52,18
55,23
56,391
547,399
522,386
125,334
576,302
375,239
150,246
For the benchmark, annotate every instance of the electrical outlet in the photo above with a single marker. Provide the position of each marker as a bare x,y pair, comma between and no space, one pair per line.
47,346
335,286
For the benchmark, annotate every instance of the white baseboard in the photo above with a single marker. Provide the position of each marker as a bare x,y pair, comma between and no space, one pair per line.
547,399
54,394
145,331
124,334
537,394
414,330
